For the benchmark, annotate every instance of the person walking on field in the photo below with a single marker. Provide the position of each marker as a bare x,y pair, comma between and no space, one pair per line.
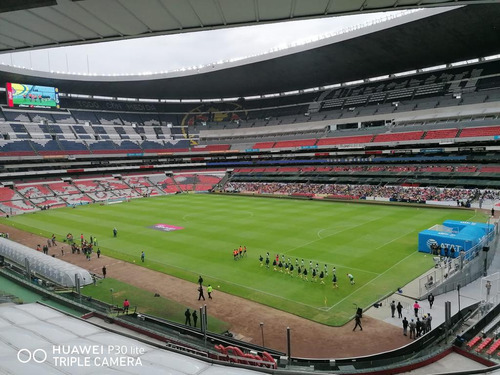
351,278
399,307
209,291
187,314
200,293
357,318
115,232
143,256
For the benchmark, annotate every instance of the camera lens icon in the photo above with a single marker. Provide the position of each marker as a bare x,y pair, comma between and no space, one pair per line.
26,355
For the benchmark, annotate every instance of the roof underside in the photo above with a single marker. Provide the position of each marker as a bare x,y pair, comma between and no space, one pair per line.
455,35
32,24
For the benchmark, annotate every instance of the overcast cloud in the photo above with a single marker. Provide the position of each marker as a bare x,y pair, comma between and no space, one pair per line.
171,52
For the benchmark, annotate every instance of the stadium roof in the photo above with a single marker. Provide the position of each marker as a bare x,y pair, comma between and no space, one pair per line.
32,24
417,40
37,339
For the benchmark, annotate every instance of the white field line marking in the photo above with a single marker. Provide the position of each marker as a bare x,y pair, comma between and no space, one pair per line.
372,280
340,231
395,239
321,230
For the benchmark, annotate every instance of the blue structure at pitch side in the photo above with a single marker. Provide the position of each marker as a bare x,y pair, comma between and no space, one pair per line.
462,235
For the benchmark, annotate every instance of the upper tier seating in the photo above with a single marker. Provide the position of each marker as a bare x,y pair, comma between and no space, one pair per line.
295,143
398,137
441,134
483,131
63,118
16,148
259,145
345,140
74,147
84,116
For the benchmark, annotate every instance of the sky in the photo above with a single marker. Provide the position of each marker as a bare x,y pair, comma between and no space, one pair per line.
172,52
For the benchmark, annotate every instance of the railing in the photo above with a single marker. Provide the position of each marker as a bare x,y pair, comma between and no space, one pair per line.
451,272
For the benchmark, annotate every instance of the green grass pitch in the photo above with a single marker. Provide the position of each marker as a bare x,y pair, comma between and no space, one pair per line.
376,243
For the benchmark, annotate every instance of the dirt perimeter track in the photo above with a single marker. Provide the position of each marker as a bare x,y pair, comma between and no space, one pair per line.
309,339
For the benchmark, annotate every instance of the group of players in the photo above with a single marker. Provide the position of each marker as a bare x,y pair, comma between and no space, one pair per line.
286,266
239,252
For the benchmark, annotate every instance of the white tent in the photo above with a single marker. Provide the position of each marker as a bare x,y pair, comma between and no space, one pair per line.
45,266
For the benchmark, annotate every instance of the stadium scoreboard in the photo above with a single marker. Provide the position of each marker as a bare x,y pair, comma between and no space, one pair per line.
32,96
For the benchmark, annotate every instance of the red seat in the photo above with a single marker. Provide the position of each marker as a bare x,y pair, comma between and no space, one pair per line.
439,134
483,131
494,347
398,137
484,344
473,342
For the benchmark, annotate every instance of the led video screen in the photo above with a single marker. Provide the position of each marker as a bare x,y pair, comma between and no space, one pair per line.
32,96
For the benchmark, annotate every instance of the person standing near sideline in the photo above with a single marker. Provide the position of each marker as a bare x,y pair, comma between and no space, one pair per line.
104,272
399,307
143,256
413,327
405,326
195,317
357,318
126,305
209,291
393,309
200,280
187,314
430,298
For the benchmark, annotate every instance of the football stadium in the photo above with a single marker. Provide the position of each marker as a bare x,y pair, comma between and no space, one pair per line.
328,207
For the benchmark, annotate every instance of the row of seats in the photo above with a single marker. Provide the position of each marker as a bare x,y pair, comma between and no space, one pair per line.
77,147
378,168
483,343
484,131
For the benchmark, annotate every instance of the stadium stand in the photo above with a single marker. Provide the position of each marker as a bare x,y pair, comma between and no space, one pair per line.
34,191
